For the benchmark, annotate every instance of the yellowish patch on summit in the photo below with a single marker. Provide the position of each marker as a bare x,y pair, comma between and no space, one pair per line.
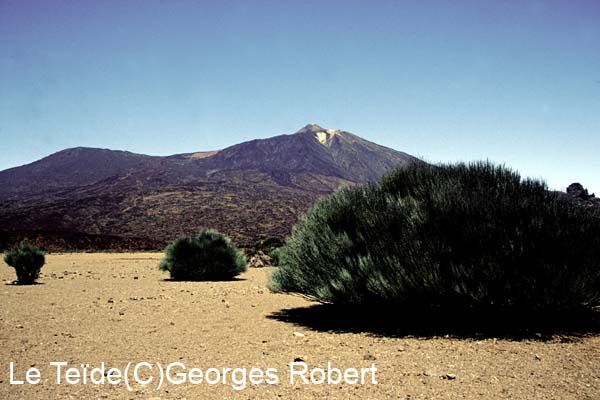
325,136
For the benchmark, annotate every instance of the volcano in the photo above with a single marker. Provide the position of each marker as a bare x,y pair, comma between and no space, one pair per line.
97,199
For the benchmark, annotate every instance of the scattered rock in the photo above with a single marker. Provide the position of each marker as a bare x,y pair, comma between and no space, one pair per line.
260,260
369,357
298,334
450,377
577,192
298,359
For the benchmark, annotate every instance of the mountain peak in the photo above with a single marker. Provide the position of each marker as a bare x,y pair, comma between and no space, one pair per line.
323,135
312,128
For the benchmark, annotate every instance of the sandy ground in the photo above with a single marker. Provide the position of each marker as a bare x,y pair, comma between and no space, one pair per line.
118,308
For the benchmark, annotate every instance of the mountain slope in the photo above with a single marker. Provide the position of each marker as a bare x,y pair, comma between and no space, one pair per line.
249,191
71,167
315,150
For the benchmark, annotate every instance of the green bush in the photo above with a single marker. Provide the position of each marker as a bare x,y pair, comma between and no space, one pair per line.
208,256
468,236
274,254
27,260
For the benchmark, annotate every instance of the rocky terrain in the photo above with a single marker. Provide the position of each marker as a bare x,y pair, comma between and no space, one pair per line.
98,199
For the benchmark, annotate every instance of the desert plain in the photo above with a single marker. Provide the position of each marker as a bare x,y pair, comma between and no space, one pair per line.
117,308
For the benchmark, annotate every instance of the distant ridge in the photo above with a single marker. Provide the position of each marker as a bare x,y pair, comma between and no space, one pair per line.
250,190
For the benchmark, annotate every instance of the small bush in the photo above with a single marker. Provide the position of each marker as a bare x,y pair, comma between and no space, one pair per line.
468,236
208,256
27,260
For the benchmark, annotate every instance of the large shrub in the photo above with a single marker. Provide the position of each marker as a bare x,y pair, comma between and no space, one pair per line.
469,236
207,256
27,260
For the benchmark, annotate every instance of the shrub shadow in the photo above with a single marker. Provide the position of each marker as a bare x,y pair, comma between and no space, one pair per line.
16,283
395,322
204,280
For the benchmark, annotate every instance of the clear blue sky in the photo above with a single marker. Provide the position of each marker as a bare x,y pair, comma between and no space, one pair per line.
512,81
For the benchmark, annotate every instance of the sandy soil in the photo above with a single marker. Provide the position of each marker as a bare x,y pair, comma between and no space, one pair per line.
116,308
